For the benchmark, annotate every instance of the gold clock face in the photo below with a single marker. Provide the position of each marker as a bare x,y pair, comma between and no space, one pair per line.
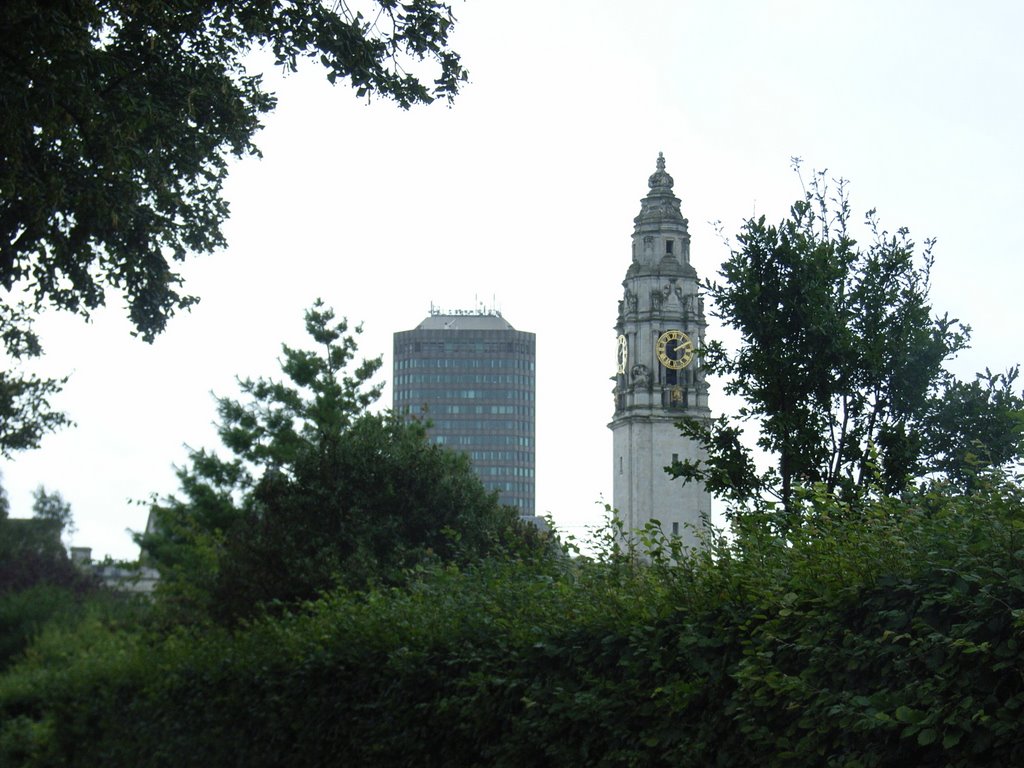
623,354
675,350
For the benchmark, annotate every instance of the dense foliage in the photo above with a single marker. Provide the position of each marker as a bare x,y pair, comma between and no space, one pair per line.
318,493
31,551
840,365
37,580
117,120
880,637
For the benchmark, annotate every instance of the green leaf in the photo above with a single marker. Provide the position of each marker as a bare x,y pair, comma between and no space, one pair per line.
906,714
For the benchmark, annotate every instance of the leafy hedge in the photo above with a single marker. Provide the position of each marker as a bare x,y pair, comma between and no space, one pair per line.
886,636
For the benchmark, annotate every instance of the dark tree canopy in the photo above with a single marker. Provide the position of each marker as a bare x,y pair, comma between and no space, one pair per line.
368,510
974,426
31,551
317,493
117,120
841,364
51,506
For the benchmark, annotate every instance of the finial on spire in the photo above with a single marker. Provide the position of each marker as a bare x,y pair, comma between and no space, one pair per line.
660,179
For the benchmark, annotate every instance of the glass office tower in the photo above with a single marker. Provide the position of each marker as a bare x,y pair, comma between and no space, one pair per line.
472,375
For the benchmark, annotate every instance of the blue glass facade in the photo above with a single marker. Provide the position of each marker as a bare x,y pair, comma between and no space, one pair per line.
473,377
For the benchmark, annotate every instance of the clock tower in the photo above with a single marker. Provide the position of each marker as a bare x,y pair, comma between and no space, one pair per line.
659,378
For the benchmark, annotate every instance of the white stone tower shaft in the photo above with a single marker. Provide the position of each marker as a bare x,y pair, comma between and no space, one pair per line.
655,385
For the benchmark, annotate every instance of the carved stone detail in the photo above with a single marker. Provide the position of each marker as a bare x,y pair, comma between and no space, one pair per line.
660,177
641,375
632,301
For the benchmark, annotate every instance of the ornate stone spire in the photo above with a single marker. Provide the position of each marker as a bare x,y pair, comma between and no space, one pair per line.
660,206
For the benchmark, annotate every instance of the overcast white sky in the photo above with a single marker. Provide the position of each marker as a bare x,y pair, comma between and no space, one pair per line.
523,195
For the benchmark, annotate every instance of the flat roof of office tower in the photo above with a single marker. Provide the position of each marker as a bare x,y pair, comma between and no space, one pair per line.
465,321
